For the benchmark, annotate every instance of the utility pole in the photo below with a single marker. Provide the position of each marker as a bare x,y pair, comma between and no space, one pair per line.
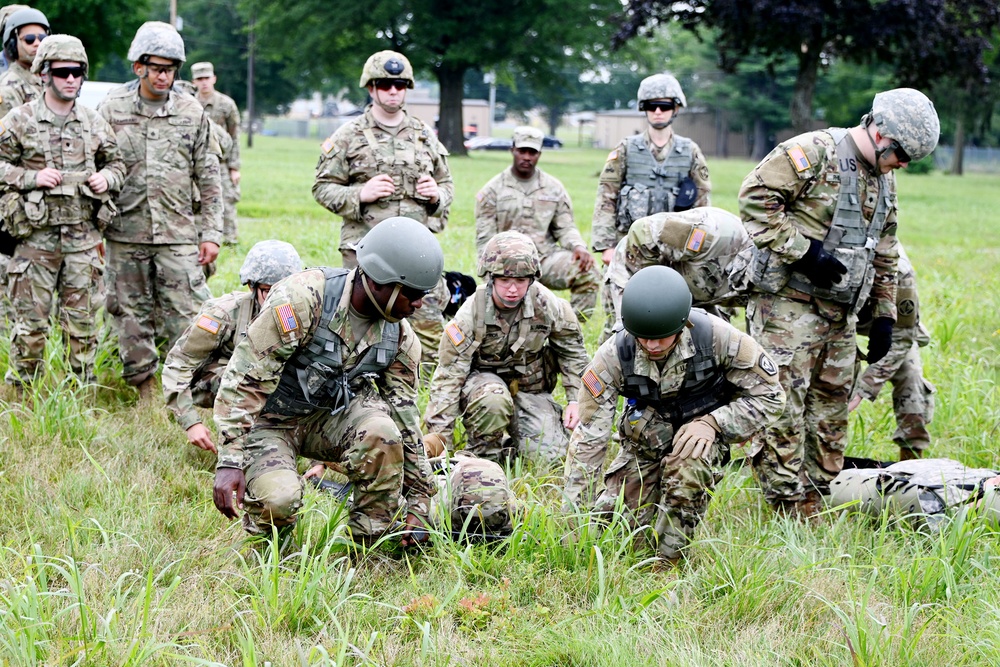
173,12
250,56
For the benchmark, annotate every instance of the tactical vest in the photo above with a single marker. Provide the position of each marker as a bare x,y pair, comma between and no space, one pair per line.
848,239
516,369
71,202
652,186
314,377
404,167
705,386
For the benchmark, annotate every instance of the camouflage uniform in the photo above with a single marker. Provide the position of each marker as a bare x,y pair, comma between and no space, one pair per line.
912,394
58,228
675,494
473,495
605,231
428,323
153,243
222,111
376,437
788,199
18,86
699,244
194,366
497,370
540,208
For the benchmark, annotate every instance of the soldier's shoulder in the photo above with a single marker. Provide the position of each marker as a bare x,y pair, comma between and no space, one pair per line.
814,145
495,184
227,303
124,91
552,307
187,105
550,182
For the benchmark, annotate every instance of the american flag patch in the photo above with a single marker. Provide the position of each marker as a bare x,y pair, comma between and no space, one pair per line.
593,383
455,334
696,240
286,317
328,145
208,324
613,155
798,158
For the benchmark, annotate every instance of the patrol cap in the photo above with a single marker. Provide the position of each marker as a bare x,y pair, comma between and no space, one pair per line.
528,137
656,303
202,70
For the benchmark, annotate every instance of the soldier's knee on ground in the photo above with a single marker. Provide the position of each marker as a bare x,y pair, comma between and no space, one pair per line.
489,409
274,498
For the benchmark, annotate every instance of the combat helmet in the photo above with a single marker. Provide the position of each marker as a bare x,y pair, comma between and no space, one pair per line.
510,254
60,47
661,87
156,38
656,303
401,250
268,262
907,117
481,497
386,65
16,20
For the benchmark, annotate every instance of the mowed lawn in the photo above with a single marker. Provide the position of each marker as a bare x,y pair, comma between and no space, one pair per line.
113,554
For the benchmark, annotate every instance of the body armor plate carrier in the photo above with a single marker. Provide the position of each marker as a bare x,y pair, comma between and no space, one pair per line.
654,187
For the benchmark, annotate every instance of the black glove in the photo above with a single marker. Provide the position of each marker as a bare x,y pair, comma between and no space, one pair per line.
879,339
822,268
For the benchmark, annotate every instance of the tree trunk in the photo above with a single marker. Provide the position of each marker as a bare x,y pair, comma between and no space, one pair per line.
721,134
554,116
451,78
805,87
761,145
958,156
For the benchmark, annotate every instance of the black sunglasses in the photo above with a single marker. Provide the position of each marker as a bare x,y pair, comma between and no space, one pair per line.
33,37
900,152
66,72
658,106
412,293
388,84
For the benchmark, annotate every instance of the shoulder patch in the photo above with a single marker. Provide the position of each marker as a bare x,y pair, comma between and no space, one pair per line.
798,158
766,364
613,155
286,317
593,383
455,334
696,240
906,307
328,144
208,324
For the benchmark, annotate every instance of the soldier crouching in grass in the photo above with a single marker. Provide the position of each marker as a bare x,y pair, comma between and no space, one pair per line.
694,385
329,370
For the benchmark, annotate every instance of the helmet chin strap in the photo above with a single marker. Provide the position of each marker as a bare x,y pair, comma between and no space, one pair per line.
384,312
385,107
879,152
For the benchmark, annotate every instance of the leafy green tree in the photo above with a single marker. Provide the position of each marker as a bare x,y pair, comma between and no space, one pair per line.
105,27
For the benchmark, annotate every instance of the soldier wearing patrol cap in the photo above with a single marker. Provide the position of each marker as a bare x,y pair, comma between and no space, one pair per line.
56,202
821,212
23,33
328,369
528,200
194,366
693,385
157,245
648,173
222,111
499,359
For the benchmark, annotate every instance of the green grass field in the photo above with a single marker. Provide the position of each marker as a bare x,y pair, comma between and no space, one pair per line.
113,554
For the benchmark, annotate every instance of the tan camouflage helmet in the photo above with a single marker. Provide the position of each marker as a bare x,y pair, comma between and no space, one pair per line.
481,496
908,117
661,87
156,38
510,254
60,47
268,262
386,65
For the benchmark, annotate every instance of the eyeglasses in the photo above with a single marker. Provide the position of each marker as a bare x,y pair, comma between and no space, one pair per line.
32,38
157,70
389,84
900,152
67,72
666,105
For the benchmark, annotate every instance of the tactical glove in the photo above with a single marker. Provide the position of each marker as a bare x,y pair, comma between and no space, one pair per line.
822,268
879,339
694,440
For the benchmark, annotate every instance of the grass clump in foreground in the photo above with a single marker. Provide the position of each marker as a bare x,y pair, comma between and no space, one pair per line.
113,554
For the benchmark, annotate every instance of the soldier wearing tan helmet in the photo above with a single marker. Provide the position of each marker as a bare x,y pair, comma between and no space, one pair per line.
499,359
57,203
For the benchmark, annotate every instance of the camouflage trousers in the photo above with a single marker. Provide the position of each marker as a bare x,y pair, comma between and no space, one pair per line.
6,309
912,394
611,304
34,278
363,439
804,449
532,421
230,195
428,323
205,385
560,272
154,291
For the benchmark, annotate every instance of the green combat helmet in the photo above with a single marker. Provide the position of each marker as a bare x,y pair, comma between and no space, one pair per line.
907,117
401,250
656,303
268,262
60,47
155,38
386,65
16,20
511,255
661,87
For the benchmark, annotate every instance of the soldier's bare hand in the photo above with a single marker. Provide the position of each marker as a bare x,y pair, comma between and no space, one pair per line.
229,481
201,437
853,405
571,415
378,188
415,533
48,178
428,187
101,250
583,257
207,252
98,183
234,176
606,255
316,470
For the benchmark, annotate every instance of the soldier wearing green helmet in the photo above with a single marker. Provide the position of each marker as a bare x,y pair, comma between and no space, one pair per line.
499,359
693,385
24,30
821,211
328,369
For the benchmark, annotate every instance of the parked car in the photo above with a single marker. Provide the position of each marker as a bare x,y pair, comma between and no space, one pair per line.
488,144
551,142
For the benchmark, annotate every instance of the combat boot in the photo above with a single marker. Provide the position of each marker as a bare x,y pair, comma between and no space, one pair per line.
147,389
908,454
